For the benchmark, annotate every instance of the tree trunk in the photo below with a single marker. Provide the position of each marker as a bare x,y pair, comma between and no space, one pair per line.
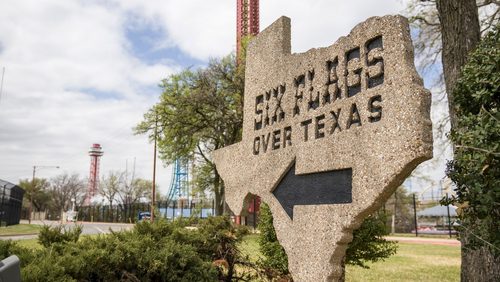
479,265
460,34
219,194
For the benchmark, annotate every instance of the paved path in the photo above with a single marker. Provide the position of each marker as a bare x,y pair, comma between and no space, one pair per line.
421,240
88,228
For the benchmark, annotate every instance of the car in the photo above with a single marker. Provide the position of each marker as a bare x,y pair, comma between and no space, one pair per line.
145,215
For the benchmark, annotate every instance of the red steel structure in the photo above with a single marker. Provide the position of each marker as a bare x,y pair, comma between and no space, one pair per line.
247,20
247,23
95,153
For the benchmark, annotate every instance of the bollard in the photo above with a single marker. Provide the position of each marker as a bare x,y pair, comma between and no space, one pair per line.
10,269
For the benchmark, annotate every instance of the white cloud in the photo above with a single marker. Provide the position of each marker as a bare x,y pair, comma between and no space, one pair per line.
60,57
206,29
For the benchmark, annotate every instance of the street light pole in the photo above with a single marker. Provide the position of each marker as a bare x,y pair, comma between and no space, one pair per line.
153,196
33,188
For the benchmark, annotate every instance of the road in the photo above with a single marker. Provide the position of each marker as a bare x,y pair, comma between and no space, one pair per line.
89,228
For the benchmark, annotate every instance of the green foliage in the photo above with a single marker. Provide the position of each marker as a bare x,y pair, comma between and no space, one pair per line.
476,167
36,189
59,234
198,112
9,247
368,244
197,108
159,251
275,260
400,204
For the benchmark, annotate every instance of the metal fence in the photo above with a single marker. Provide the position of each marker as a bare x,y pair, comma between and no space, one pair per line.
11,202
128,213
418,215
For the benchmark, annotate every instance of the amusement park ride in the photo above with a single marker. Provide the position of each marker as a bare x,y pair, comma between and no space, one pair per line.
247,24
179,186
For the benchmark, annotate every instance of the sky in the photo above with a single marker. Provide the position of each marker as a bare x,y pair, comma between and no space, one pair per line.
84,72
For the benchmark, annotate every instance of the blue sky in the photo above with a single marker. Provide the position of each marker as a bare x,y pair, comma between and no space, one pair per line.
143,39
83,72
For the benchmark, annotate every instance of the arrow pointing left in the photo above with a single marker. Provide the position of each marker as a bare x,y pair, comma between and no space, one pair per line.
322,188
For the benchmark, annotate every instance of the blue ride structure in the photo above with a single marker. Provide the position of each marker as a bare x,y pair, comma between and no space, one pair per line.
179,186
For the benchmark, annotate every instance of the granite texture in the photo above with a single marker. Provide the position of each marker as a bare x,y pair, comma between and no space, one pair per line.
364,108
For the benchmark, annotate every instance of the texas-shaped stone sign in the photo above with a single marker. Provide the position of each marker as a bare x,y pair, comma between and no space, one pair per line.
328,135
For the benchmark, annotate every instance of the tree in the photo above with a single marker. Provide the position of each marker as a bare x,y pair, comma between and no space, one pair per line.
476,167
462,23
65,187
132,191
109,186
460,34
198,112
398,207
458,27
37,191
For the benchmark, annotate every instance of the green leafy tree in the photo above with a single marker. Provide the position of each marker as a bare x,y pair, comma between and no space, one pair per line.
476,167
454,28
37,191
199,111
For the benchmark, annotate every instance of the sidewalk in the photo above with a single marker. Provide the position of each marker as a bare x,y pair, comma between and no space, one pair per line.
421,240
58,222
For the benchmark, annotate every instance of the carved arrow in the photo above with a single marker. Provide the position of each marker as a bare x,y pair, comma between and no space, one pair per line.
322,188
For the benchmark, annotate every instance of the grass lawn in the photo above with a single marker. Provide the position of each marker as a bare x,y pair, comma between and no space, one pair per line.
441,236
29,243
20,229
250,247
413,262
33,243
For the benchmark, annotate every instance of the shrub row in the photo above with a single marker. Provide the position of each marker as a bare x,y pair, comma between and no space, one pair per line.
162,251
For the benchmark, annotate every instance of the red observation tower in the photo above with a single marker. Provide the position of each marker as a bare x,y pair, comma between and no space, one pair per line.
247,20
95,153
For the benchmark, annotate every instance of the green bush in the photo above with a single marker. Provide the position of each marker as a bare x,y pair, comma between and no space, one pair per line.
368,244
159,251
275,261
9,247
475,169
58,234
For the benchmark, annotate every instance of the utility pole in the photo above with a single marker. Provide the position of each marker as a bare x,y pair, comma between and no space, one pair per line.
153,196
31,194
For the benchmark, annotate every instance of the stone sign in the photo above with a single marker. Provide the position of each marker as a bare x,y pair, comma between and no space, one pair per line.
328,135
